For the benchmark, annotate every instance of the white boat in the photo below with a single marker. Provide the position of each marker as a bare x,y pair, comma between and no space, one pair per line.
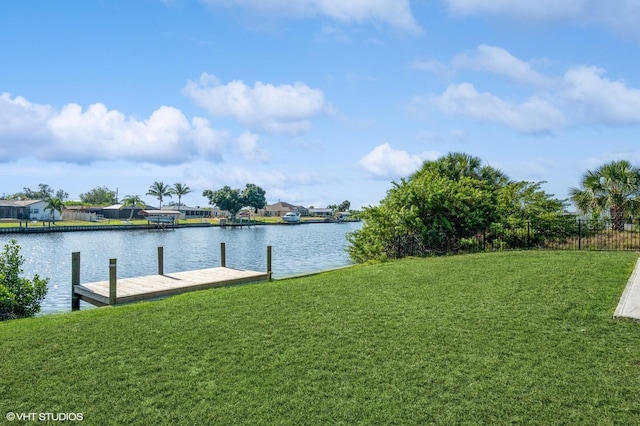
161,216
291,217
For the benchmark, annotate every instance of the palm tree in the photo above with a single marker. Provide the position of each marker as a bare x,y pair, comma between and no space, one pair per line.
159,190
614,186
132,201
180,189
54,204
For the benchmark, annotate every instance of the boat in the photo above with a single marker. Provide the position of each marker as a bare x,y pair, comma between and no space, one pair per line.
291,217
161,217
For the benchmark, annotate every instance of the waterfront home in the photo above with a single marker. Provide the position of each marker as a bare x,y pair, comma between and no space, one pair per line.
320,212
281,208
26,210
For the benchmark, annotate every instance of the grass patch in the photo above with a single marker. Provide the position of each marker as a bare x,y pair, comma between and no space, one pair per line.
514,337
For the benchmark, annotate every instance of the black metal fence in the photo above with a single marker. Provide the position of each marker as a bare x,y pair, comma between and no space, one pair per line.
556,234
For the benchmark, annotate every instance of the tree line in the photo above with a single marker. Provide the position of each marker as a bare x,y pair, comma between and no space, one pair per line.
448,200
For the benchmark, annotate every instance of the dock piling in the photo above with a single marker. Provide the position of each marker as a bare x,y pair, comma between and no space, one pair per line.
160,260
268,263
112,281
75,280
223,255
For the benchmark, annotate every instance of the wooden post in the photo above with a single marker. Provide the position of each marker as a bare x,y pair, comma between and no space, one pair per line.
223,255
269,263
112,281
160,260
75,280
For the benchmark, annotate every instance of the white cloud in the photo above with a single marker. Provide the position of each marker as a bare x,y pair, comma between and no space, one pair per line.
499,61
620,16
247,146
581,96
278,109
97,133
395,13
597,100
385,162
532,116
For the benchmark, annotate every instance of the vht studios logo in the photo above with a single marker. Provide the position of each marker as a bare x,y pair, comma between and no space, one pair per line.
45,417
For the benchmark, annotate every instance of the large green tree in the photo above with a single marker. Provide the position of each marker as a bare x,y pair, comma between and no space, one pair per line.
253,196
233,200
614,188
99,196
160,191
443,203
226,198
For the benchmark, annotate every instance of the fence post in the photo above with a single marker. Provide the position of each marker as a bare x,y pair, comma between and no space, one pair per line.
160,260
528,233
269,263
112,281
223,255
75,280
579,234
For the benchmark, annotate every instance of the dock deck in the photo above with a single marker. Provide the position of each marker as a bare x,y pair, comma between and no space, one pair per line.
154,286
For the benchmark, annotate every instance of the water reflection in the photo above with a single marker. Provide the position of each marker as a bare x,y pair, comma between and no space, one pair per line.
296,249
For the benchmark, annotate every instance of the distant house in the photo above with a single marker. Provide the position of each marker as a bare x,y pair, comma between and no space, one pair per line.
26,210
321,212
116,211
189,212
281,208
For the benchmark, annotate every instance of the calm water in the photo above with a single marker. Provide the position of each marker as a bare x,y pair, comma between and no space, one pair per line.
296,249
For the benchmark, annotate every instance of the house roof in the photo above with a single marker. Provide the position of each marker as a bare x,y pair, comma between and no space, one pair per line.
19,203
281,206
119,206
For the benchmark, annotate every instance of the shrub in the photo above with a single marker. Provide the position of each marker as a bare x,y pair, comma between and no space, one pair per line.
19,297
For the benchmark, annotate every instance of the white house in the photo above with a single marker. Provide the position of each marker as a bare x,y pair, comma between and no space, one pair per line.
26,210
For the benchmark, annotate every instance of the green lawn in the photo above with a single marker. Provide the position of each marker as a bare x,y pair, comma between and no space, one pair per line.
494,338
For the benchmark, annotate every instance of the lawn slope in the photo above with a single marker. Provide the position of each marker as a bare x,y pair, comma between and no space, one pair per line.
519,337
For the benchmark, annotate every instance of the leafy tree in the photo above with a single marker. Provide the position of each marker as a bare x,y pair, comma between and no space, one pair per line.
612,187
44,192
253,196
62,195
344,206
180,190
159,190
132,201
54,205
444,203
233,200
99,196
225,198
19,297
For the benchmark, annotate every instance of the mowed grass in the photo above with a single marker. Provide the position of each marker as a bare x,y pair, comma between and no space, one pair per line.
493,338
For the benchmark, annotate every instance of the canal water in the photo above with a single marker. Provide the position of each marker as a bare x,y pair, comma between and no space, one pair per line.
296,249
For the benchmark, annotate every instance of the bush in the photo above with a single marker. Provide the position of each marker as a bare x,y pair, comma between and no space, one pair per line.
19,297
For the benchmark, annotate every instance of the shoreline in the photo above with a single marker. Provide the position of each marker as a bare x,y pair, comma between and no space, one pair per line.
149,226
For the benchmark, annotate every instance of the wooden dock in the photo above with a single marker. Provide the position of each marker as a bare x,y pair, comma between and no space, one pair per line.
118,291
153,286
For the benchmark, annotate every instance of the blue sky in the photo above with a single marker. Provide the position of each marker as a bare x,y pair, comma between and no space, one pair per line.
316,101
